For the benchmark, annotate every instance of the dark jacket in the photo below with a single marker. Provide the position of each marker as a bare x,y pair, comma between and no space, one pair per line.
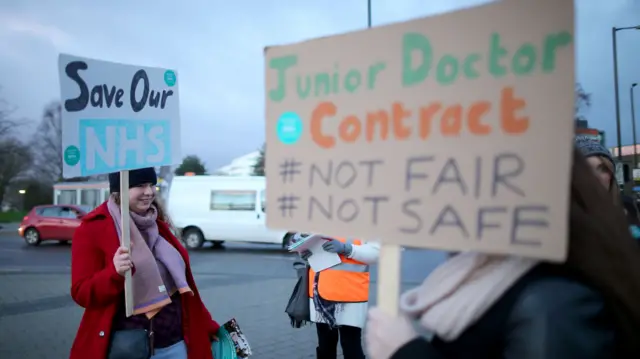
544,316
631,210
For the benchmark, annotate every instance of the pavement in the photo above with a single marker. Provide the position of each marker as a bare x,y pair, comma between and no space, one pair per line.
9,227
252,283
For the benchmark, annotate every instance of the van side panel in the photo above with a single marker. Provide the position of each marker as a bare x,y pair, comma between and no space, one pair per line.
224,208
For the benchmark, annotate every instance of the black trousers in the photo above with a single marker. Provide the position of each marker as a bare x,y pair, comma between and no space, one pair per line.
350,341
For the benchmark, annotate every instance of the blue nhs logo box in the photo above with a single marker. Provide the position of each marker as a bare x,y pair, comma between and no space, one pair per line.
113,145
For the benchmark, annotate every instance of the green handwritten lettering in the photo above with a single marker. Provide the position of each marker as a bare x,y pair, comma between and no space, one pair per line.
496,53
412,75
374,70
524,60
281,64
303,90
469,69
551,44
447,70
322,83
352,80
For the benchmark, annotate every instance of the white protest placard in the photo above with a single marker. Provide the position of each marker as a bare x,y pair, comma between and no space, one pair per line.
117,117
452,132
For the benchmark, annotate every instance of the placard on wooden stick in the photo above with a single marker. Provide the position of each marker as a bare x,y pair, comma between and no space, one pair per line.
117,118
125,239
450,132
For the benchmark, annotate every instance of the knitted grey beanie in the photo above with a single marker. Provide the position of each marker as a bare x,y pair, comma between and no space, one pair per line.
589,147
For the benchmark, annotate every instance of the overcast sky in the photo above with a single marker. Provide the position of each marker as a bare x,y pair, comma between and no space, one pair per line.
217,48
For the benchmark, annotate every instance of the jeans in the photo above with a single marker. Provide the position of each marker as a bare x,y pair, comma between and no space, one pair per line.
176,351
350,341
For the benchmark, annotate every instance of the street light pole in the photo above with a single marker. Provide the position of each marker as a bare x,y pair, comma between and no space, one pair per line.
615,84
22,195
614,31
369,13
633,128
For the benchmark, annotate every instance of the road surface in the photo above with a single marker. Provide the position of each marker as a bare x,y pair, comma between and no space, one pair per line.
252,283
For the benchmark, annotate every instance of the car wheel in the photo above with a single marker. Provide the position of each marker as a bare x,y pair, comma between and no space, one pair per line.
32,236
193,238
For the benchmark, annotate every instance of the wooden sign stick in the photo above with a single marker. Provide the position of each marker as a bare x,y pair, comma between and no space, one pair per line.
126,239
389,277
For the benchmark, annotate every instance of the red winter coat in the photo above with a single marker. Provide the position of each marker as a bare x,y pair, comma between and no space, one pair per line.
97,287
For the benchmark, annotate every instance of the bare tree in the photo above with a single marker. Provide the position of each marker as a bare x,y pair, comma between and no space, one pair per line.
15,161
7,124
258,167
47,144
582,102
7,121
15,156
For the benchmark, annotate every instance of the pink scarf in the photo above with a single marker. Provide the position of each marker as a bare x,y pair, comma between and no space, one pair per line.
160,270
458,292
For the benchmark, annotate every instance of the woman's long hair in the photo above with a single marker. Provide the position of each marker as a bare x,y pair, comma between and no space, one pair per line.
603,253
614,189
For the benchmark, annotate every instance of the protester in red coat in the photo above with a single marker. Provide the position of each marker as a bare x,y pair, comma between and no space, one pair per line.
171,308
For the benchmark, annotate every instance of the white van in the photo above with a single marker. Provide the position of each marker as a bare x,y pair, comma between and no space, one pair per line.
219,209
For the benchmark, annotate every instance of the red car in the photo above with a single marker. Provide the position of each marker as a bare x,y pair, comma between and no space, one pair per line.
51,222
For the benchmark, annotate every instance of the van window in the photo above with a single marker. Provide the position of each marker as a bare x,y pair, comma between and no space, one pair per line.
233,200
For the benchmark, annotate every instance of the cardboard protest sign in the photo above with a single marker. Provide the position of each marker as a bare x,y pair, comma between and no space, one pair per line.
117,117
452,132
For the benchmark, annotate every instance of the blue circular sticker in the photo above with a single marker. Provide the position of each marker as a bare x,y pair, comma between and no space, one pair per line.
170,78
71,155
289,128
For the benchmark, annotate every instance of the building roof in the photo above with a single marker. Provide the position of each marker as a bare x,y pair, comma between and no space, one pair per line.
239,166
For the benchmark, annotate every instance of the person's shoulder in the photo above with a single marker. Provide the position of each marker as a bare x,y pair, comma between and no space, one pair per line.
556,293
95,220
560,314
99,213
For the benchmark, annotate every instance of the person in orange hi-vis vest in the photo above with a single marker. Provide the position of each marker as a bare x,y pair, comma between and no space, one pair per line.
339,296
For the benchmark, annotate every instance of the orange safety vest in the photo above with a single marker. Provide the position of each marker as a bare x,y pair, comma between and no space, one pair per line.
348,282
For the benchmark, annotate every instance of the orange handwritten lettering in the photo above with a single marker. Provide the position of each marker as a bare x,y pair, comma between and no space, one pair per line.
476,112
350,129
451,121
400,130
426,117
324,109
509,105
374,118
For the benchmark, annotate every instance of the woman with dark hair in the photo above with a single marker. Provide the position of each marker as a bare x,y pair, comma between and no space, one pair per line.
603,166
169,318
585,308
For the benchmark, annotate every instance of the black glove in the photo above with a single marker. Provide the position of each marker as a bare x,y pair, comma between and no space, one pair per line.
305,254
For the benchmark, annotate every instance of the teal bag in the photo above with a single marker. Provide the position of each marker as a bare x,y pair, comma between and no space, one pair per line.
224,348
